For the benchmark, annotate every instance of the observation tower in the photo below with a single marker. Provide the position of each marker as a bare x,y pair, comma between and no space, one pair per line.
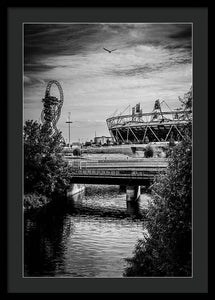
51,108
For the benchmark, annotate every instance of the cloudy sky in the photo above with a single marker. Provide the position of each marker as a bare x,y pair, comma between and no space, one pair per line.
152,61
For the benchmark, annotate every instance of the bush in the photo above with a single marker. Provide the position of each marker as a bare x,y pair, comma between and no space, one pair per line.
171,142
33,201
146,140
149,152
166,250
77,152
45,171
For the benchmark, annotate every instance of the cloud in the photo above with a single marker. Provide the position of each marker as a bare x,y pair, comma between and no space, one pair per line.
184,32
37,67
32,80
152,61
58,39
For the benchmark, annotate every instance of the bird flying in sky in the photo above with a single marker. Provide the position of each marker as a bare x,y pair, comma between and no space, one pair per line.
109,50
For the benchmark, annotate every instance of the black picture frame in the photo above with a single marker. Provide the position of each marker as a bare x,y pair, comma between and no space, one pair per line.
13,17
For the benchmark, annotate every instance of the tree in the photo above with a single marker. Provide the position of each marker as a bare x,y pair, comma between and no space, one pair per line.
45,171
149,152
187,99
166,249
146,140
77,152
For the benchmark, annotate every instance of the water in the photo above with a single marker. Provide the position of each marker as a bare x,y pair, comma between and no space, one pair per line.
89,235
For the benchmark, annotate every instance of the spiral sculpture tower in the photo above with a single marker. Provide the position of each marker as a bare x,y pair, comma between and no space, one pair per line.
52,107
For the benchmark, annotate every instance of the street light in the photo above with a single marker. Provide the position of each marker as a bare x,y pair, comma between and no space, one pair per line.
69,122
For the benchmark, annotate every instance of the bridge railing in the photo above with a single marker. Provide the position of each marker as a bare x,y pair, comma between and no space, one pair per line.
148,162
143,174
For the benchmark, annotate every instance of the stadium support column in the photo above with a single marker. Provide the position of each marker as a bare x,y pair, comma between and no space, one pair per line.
132,193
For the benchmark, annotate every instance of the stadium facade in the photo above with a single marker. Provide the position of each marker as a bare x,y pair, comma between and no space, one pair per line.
156,126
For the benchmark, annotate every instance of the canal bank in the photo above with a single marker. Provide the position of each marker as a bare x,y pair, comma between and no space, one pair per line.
88,236
35,201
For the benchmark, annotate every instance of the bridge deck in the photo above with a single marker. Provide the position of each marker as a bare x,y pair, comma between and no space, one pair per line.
117,172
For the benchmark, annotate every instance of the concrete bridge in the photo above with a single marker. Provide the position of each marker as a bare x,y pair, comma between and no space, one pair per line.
132,173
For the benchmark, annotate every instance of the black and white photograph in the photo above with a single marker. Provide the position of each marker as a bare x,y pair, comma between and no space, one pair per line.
107,150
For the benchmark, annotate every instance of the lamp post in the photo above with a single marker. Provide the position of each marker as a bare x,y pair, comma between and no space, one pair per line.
69,122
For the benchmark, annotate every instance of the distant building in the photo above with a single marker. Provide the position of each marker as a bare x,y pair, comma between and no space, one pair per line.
102,140
67,150
87,144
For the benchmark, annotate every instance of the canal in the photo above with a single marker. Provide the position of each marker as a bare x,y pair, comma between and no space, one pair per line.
88,235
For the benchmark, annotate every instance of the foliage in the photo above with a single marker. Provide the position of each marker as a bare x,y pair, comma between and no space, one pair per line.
34,201
166,248
149,152
146,140
187,99
171,142
45,172
77,152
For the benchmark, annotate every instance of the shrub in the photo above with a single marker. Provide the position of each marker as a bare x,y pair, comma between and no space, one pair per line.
77,152
167,249
45,171
146,140
171,142
33,201
149,152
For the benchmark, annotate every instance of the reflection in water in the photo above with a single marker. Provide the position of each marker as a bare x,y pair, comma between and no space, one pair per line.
44,241
87,235
133,208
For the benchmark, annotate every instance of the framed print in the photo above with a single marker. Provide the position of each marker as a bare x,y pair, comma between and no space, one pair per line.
107,150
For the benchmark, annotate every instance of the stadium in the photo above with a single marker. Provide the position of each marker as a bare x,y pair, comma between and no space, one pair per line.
157,126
